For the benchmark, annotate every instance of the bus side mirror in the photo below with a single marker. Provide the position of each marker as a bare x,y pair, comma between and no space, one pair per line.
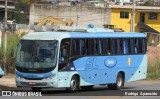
12,52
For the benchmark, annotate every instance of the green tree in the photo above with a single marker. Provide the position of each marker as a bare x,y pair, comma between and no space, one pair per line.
21,11
149,3
28,1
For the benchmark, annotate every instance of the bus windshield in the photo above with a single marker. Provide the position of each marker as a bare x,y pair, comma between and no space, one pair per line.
36,55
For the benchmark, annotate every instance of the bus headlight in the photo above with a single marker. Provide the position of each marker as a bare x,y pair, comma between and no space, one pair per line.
51,77
19,78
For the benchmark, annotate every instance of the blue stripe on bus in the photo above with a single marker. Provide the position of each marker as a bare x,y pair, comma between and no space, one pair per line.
30,75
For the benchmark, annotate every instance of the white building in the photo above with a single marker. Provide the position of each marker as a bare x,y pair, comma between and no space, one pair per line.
121,2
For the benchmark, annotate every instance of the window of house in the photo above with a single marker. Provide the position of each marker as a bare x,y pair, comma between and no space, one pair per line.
153,16
124,14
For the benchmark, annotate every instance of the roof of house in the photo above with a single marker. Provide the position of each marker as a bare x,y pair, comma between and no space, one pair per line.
136,7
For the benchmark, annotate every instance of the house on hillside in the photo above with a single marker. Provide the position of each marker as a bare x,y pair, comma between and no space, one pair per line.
146,18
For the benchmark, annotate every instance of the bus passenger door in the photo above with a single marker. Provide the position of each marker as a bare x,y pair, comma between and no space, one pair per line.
63,64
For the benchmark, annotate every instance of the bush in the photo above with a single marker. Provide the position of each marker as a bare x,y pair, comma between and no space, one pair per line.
154,69
12,42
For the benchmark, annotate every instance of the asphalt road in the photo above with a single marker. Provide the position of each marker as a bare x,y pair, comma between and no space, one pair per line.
130,89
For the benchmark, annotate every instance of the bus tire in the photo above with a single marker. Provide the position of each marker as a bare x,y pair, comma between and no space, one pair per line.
73,85
119,82
36,89
87,87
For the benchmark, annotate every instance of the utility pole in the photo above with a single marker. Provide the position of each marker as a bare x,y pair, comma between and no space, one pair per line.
133,17
5,36
77,20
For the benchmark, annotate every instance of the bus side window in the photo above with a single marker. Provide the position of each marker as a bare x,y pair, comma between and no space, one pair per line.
82,47
125,46
100,46
144,46
104,46
136,46
117,46
140,46
112,46
65,50
96,49
75,47
129,46
132,46
90,47
121,46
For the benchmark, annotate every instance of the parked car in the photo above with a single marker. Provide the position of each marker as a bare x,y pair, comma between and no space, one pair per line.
53,2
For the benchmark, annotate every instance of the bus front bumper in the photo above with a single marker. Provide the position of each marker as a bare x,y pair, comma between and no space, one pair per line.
21,82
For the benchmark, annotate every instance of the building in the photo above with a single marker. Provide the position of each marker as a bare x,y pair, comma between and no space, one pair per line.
95,3
147,19
81,15
10,5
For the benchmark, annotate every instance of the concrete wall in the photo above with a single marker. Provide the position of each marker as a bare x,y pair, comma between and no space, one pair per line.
81,16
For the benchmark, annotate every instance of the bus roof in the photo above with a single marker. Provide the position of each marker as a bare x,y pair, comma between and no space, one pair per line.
61,35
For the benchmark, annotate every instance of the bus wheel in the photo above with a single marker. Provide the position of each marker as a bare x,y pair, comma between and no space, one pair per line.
119,82
36,89
87,87
73,85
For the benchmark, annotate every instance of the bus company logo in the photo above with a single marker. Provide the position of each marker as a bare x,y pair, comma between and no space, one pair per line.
110,62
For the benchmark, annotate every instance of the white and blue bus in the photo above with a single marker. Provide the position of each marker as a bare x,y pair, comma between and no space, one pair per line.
1,72
75,60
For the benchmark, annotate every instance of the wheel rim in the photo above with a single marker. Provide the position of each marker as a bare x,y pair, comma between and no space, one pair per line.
73,84
119,82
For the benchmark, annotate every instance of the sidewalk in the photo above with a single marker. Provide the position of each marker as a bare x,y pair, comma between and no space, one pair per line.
8,80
